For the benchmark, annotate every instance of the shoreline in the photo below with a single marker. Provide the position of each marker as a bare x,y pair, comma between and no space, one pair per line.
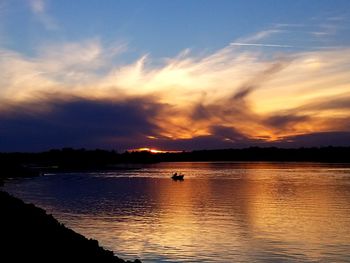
29,234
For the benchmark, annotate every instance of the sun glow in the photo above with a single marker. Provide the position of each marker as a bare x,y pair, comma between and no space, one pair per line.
151,150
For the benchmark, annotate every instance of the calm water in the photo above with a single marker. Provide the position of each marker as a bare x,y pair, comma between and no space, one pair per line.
221,212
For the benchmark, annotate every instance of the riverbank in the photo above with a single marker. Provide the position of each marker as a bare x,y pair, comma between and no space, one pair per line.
28,234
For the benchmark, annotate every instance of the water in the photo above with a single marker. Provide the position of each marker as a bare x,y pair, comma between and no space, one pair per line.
221,212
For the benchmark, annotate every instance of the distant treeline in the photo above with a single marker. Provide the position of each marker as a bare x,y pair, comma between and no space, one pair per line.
68,158
323,154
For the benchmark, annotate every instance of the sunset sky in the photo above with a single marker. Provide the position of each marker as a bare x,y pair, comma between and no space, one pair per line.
174,75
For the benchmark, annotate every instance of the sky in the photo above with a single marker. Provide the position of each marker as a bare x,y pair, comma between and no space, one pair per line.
174,75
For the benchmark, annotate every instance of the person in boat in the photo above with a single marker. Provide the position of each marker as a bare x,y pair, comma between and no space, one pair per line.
177,176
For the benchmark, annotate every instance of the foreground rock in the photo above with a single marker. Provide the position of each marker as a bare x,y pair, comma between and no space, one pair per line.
28,234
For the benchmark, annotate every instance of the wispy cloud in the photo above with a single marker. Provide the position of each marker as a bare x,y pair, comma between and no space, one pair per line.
38,6
288,25
39,9
261,35
231,89
254,40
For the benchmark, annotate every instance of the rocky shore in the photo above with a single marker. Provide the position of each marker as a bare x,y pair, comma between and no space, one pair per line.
28,234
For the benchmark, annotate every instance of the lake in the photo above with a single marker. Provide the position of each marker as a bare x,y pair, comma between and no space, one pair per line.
221,212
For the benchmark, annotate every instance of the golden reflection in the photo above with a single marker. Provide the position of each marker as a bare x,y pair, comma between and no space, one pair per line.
299,214
264,208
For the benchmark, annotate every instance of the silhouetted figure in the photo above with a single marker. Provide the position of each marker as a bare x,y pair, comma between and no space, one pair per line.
177,177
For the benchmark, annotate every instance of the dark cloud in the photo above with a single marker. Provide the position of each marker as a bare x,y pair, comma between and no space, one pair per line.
220,137
200,112
55,122
285,121
337,138
227,133
76,123
198,143
243,92
237,140
304,114
256,81
124,125
337,102
235,108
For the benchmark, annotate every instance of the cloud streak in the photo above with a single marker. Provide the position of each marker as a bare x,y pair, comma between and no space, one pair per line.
260,45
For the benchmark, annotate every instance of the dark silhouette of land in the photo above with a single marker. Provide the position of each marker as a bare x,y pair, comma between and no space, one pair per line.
271,154
67,159
28,234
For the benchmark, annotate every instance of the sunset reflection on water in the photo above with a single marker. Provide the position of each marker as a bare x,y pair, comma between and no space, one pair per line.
221,212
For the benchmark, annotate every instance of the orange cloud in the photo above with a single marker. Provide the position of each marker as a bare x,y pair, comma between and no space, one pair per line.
264,98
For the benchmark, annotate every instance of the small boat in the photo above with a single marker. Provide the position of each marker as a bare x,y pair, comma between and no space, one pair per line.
178,177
